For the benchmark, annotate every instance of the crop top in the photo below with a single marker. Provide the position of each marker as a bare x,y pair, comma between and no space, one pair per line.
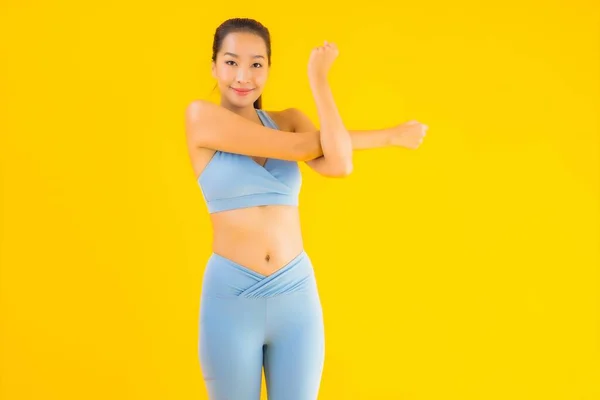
232,180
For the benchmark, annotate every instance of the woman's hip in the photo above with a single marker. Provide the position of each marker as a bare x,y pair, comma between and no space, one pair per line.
225,278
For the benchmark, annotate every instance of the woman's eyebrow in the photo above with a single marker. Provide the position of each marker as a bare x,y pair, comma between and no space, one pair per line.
235,55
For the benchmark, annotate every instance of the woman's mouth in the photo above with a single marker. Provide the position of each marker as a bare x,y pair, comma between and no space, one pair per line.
242,92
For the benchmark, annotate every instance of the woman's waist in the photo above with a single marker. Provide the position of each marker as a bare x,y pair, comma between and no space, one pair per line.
262,252
256,227
260,238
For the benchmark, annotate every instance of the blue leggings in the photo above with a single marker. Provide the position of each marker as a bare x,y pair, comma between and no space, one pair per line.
249,320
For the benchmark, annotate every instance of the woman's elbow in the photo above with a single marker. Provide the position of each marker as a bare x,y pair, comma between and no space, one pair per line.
344,164
343,170
348,170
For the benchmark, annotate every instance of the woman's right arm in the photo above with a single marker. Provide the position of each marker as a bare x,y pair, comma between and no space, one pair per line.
211,126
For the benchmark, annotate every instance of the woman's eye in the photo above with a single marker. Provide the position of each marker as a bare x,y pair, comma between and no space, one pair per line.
231,62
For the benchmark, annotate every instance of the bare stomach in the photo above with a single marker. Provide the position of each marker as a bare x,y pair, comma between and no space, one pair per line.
263,239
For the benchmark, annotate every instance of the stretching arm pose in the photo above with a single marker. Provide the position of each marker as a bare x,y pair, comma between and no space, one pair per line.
327,150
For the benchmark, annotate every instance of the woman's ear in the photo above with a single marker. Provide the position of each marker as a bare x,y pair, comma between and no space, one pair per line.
213,70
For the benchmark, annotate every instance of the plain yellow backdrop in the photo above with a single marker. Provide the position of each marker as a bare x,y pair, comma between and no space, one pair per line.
466,269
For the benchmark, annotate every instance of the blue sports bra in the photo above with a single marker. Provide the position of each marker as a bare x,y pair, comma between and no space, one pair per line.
231,180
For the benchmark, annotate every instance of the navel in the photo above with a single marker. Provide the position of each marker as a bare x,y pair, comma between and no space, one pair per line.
267,257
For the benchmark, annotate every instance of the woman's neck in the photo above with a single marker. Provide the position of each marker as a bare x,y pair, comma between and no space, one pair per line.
246,112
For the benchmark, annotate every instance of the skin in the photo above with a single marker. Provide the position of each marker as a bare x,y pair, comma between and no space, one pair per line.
265,238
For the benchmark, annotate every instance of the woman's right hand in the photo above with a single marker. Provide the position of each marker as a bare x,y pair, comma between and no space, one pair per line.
320,61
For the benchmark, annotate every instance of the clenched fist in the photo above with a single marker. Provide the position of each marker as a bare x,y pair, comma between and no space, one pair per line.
320,60
409,134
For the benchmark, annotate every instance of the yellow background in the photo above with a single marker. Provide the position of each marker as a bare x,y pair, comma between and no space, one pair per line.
467,269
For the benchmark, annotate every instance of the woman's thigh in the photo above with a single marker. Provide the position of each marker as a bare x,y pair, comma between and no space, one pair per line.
231,347
295,348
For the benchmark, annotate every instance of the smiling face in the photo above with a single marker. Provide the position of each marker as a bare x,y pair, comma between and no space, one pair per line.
241,69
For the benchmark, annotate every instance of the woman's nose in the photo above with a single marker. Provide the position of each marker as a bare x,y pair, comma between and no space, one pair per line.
243,75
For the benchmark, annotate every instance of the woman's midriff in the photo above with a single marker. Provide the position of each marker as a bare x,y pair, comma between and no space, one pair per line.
263,239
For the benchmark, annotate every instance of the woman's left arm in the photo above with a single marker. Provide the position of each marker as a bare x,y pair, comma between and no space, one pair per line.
408,135
359,139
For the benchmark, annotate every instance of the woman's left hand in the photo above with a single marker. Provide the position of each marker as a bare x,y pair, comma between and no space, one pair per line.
409,134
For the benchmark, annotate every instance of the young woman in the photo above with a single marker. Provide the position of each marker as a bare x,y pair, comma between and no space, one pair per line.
260,304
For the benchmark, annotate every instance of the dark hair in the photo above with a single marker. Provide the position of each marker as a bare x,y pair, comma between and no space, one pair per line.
242,25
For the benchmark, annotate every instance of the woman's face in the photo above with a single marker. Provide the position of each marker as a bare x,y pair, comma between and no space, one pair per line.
241,63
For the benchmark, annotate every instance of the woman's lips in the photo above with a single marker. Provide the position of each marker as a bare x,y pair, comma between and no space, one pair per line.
242,92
